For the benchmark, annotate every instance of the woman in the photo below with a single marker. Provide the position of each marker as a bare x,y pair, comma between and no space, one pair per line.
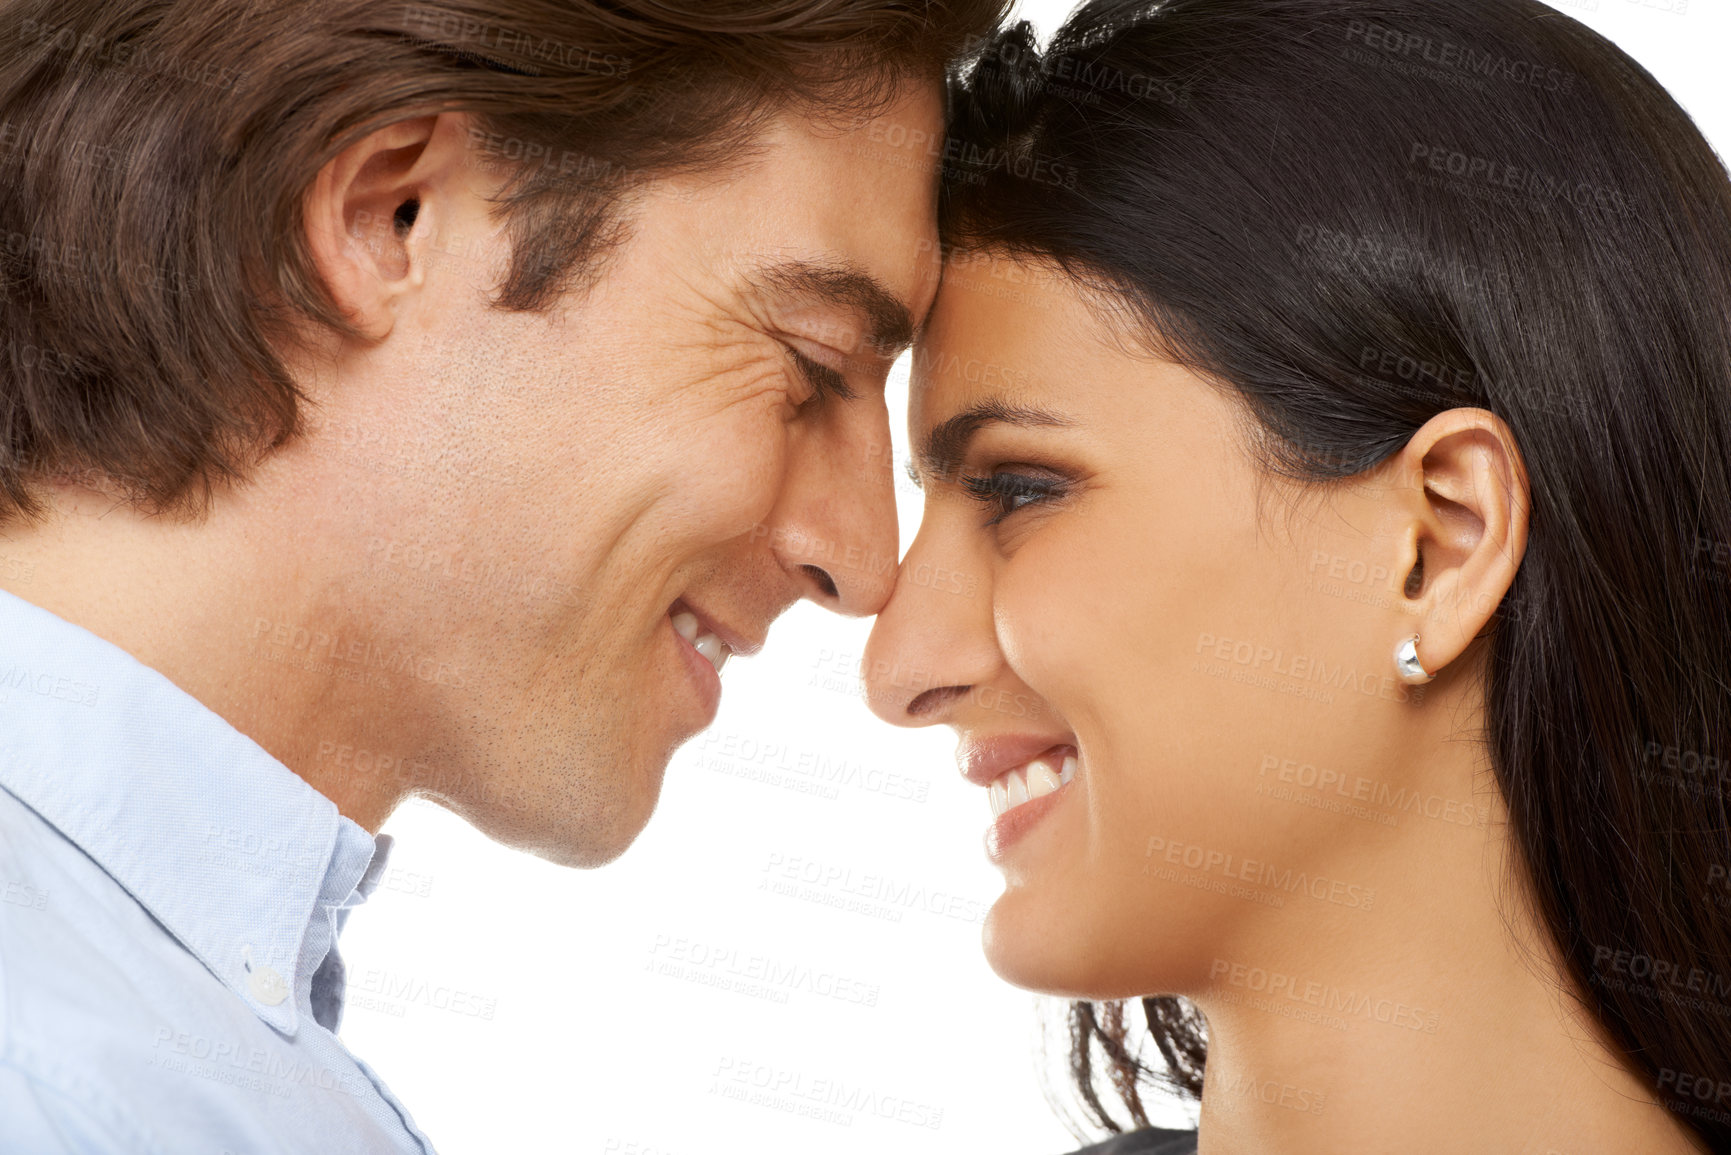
1330,404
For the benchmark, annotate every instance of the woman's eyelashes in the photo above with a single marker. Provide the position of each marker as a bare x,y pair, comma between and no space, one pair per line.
1004,493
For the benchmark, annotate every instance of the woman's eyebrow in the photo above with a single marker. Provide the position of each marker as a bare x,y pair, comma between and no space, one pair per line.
941,453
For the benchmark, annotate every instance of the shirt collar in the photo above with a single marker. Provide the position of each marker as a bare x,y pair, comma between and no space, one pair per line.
228,848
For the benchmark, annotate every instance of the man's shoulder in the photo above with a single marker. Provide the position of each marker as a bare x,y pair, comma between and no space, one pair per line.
109,1024
77,952
67,990
57,1116
24,852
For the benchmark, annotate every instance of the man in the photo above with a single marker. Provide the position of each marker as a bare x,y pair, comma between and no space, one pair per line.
401,400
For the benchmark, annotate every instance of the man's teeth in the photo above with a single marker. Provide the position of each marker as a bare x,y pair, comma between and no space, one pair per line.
710,646
1026,783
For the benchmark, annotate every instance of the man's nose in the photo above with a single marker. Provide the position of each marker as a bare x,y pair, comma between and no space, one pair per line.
835,525
933,643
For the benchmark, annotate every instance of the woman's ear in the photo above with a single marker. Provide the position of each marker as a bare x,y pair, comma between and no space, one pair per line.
1464,498
371,209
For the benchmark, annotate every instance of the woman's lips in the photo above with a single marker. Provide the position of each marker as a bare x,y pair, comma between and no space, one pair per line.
1035,778
984,760
1010,826
1023,794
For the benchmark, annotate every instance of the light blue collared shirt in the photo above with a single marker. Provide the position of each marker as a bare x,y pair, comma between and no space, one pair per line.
170,900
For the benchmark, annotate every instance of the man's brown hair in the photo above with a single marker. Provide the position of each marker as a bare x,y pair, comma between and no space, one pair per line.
154,155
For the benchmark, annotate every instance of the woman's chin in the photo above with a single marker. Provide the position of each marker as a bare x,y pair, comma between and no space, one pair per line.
1017,957
1029,950
1046,949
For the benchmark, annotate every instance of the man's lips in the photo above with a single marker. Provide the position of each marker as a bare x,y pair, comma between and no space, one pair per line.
705,645
707,625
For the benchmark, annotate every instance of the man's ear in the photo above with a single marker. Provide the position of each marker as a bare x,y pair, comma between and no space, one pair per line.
1463,501
371,209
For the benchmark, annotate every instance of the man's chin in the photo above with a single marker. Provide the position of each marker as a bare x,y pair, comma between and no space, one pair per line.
587,840
589,851
582,829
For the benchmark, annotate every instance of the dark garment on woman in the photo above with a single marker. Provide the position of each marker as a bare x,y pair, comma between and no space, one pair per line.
1153,1141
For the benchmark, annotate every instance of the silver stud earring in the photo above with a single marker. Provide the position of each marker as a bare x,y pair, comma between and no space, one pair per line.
1406,661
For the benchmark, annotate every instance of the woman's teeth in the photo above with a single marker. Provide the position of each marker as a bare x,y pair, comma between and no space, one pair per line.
710,646
1026,783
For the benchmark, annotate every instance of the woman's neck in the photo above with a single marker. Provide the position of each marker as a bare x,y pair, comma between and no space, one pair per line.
1434,1019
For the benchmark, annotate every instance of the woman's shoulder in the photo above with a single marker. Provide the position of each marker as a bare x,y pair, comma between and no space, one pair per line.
1150,1141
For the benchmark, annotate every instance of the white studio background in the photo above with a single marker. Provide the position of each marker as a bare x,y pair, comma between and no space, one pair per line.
804,907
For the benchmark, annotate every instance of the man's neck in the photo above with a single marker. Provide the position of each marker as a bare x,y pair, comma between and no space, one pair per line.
204,603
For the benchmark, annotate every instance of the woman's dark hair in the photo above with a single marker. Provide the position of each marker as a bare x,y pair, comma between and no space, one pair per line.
154,154
1358,214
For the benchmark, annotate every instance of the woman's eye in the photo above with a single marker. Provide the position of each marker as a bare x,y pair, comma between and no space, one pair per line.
1005,493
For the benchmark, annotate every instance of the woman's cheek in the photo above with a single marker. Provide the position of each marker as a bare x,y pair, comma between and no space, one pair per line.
1050,645
1073,620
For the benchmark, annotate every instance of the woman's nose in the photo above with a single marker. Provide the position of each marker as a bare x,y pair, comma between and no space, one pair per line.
933,641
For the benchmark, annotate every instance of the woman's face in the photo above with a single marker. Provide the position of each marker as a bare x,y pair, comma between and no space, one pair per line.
1102,573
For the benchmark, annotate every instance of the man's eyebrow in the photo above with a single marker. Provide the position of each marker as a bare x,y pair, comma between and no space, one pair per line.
944,447
890,321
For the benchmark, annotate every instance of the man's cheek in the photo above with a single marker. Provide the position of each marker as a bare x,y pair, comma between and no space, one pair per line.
730,476
722,436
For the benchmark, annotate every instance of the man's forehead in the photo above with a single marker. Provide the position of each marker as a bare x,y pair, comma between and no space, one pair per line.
872,190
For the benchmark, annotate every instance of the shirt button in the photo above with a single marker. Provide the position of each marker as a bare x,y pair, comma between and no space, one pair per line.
267,986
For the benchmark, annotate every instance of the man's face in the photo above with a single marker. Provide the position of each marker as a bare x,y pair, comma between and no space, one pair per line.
543,497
